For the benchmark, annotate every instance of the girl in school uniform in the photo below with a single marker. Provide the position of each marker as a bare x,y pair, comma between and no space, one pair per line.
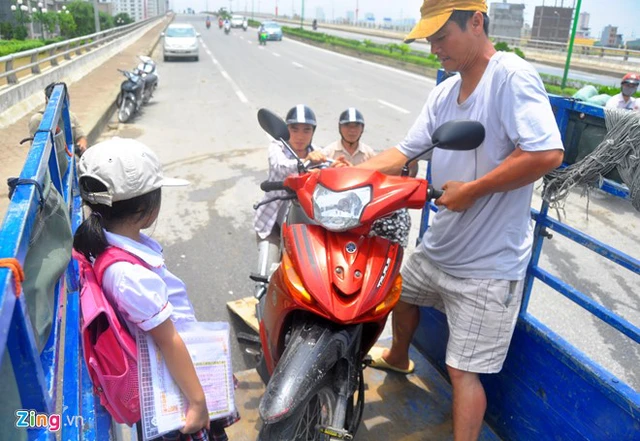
121,182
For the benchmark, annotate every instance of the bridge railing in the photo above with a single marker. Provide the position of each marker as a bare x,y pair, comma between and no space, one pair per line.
33,61
48,371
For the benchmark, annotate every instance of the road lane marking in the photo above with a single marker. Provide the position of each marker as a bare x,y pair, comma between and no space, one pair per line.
275,54
298,65
393,106
227,77
370,63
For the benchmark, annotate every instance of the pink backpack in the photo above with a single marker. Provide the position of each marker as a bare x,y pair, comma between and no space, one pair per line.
109,350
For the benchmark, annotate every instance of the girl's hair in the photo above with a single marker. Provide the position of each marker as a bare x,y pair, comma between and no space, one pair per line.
90,239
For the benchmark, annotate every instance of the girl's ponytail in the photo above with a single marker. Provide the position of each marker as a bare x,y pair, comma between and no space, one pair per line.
90,239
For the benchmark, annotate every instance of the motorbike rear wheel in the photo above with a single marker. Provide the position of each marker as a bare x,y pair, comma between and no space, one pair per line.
301,426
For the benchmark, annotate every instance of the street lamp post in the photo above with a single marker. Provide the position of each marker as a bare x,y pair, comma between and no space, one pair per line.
24,14
302,16
96,15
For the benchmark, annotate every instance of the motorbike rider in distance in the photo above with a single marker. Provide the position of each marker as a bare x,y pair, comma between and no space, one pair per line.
301,122
208,22
227,25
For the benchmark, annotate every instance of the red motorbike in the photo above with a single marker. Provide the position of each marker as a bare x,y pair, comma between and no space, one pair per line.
327,302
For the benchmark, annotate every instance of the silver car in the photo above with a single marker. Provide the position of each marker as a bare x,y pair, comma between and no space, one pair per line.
181,41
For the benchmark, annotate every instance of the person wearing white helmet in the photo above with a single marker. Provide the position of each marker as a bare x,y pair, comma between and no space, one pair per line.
625,99
349,147
301,122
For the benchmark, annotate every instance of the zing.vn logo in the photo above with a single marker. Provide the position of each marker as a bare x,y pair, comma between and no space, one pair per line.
30,419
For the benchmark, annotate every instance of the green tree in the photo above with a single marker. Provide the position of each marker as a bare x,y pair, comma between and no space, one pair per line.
67,25
122,19
20,30
6,30
82,13
106,21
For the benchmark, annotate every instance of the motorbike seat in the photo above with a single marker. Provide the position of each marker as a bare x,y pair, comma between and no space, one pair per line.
150,78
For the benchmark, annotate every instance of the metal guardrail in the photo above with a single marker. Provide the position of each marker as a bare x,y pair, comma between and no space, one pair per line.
63,49
42,378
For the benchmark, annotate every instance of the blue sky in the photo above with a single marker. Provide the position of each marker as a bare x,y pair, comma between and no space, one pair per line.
621,13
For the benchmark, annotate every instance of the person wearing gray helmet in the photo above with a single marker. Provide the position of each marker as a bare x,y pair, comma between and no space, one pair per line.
349,147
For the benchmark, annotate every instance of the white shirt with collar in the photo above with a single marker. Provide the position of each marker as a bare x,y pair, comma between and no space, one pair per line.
618,102
362,153
145,297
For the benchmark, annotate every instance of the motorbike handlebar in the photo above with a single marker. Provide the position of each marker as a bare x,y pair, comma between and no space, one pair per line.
433,193
272,186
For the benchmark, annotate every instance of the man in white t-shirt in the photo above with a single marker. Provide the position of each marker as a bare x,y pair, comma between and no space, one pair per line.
472,260
625,99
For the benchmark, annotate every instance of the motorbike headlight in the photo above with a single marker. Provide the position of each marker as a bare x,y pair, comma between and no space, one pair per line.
339,210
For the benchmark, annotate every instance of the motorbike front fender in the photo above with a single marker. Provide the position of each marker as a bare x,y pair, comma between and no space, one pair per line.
313,350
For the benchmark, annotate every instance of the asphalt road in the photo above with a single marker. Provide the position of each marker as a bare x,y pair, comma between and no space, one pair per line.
202,123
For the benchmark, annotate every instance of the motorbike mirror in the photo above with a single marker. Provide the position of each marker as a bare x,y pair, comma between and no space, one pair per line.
273,124
162,34
459,135
198,34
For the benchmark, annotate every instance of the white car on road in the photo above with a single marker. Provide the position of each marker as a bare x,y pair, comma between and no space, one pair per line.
236,21
181,41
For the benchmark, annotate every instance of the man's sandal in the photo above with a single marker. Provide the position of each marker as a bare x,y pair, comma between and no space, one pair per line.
375,360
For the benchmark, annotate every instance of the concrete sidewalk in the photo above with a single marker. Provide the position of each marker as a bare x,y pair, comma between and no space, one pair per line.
92,100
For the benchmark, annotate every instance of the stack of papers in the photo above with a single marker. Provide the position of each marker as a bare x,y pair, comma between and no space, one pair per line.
162,403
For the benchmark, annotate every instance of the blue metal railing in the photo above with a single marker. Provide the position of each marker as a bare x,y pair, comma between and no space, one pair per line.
38,373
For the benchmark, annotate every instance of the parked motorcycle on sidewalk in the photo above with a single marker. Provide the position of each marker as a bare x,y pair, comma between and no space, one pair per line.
148,70
327,302
131,95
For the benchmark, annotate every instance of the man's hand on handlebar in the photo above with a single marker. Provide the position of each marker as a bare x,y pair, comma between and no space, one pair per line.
457,196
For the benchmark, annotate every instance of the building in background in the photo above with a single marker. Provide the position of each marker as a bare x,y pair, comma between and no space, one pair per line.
506,19
351,16
583,26
633,45
610,37
552,23
141,9
105,6
320,13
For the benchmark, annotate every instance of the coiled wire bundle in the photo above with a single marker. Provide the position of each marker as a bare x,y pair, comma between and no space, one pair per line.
620,149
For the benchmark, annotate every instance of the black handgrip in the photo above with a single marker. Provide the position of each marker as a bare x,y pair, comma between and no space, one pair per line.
272,186
434,194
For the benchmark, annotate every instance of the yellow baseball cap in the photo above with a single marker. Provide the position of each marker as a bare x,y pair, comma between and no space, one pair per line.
435,14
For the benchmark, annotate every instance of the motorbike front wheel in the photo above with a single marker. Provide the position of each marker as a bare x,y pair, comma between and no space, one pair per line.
301,426
126,110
